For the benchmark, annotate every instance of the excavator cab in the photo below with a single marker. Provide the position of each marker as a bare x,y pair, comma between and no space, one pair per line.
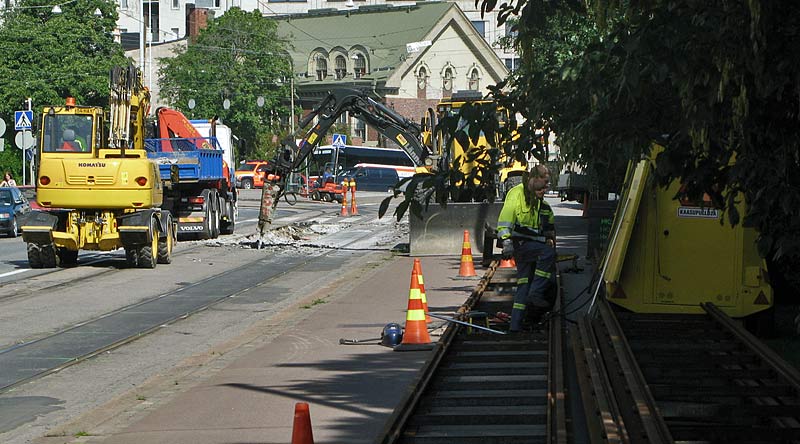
71,129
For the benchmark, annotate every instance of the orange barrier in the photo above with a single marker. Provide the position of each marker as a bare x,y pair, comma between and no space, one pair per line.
418,269
344,200
415,336
467,268
353,207
301,429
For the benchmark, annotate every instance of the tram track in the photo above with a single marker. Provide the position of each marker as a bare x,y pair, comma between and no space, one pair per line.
31,360
660,378
480,387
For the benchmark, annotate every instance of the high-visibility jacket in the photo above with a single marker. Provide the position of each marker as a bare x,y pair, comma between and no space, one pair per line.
520,220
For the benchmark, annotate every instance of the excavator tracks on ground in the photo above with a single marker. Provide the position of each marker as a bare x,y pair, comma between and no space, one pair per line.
484,387
659,378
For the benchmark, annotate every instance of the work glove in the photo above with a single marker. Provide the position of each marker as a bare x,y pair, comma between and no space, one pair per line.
508,249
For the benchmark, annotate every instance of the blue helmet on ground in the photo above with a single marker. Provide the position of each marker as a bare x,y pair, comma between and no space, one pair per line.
392,335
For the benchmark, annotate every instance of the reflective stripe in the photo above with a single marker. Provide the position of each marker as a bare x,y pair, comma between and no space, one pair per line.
522,281
541,273
415,315
518,306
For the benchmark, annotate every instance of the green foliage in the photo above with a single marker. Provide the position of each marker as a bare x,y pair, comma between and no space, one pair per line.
239,57
48,57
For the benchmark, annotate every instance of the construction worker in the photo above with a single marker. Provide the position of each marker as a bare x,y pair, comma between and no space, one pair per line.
526,231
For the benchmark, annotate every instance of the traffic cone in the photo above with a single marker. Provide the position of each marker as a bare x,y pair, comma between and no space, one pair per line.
344,200
418,269
507,263
353,207
301,429
415,336
467,269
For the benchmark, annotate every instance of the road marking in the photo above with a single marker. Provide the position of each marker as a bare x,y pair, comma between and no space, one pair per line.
11,273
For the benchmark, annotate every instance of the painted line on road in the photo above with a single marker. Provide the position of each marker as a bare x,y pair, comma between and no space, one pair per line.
11,273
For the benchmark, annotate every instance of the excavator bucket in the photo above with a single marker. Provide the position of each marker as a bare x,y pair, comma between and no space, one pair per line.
440,230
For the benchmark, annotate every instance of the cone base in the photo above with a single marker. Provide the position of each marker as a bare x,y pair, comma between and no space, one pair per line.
415,347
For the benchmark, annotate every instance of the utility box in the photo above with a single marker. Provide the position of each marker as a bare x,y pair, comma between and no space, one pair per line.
668,256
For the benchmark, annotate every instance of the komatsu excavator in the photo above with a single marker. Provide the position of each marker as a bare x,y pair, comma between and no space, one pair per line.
100,191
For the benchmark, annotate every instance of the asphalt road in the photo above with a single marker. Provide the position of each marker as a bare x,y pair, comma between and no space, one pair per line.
36,304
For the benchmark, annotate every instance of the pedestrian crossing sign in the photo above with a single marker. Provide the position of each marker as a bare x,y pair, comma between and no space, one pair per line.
22,120
339,140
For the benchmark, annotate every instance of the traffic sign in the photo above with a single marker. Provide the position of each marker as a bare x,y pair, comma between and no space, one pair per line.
2,133
24,140
339,140
23,120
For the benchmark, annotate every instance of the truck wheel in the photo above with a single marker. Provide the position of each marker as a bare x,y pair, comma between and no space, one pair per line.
326,197
215,216
229,225
207,214
247,184
148,253
67,257
34,258
165,245
315,195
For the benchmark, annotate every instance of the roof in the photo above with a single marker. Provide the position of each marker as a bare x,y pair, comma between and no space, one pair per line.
381,30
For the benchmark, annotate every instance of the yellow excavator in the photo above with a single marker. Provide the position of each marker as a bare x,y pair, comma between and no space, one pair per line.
100,192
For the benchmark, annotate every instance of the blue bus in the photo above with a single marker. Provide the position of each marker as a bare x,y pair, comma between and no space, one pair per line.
346,157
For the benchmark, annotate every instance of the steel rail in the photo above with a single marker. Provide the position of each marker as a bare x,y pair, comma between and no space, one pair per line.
646,412
132,336
393,429
766,354
556,385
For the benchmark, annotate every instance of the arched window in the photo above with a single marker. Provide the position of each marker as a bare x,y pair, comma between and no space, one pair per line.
474,80
422,82
321,68
341,67
359,66
447,80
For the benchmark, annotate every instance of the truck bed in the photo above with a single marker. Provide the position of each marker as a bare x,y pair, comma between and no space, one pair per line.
194,164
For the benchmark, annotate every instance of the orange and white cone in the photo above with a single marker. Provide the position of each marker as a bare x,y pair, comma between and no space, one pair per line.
507,263
467,269
301,428
344,200
353,206
415,336
418,269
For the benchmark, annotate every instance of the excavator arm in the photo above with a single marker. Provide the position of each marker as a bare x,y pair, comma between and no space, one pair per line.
406,133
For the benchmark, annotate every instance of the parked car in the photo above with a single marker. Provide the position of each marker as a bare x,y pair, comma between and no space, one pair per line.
13,205
250,174
371,178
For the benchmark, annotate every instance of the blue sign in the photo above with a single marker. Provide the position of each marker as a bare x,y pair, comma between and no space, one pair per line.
23,120
339,140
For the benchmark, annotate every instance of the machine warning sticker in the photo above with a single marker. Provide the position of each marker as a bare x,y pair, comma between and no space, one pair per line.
701,212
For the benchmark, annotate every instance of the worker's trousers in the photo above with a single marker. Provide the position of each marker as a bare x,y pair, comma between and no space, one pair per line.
535,271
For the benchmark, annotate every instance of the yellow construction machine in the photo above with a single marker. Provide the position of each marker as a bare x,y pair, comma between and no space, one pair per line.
668,255
100,191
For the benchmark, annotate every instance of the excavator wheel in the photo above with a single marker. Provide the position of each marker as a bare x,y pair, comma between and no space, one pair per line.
49,257
165,245
148,253
67,257
34,258
131,257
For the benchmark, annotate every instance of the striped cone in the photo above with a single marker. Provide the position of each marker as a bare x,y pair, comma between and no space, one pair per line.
467,269
301,428
344,200
418,269
415,336
353,206
507,263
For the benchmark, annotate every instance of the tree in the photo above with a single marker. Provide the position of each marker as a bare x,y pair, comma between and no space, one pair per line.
716,83
48,57
239,57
